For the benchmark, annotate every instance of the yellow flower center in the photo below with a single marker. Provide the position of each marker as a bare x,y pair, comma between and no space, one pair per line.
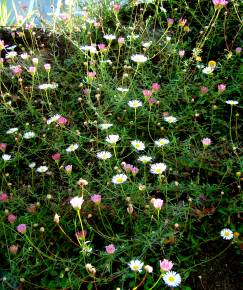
119,179
171,279
212,63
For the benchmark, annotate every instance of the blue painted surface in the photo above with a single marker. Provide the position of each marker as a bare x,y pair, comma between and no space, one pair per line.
42,7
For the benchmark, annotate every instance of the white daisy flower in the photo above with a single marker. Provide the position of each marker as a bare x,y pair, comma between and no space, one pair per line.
109,36
53,85
29,135
168,38
172,279
11,54
157,168
12,130
72,147
200,66
103,155
90,48
145,159
48,86
43,86
112,139
138,145
24,56
105,126
146,44
135,104
133,36
140,58
226,234
170,119
119,179
161,142
208,70
85,47
232,103
53,119
136,265
123,90
106,61
32,165
42,169
144,1
6,157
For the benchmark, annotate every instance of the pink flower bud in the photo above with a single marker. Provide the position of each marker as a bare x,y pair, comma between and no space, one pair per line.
17,70
220,3
157,203
206,141
165,265
96,198
97,24
110,249
121,40
21,228
221,88
203,90
102,47
3,147
11,218
147,93
62,121
155,87
32,70
65,16
81,234
56,156
29,26
13,249
35,61
238,50
116,8
182,22
3,197
170,22
91,74
152,101
181,53
86,91
69,169
47,67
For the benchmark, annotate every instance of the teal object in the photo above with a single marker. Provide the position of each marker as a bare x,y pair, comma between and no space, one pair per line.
33,7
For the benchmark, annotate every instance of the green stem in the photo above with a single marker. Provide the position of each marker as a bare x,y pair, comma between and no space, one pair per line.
155,284
230,130
81,223
200,165
135,122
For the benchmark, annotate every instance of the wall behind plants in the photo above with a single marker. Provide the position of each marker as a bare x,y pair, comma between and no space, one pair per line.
36,9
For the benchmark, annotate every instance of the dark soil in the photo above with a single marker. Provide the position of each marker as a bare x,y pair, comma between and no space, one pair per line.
222,273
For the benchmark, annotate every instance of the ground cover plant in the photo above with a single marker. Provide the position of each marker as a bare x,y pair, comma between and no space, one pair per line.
120,147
